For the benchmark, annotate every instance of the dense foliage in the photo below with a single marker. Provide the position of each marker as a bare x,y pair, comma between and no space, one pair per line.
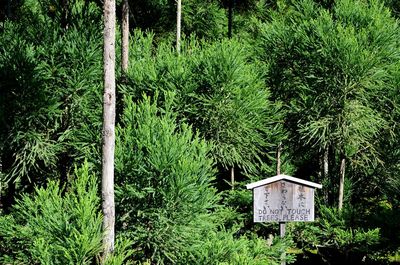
218,90
319,78
54,228
165,194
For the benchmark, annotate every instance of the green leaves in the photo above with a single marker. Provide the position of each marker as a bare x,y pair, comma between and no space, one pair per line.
332,68
50,100
223,247
333,230
164,175
219,91
52,228
229,105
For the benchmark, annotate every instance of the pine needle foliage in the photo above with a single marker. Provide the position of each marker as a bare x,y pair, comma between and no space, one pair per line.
334,233
219,91
164,175
228,103
332,69
50,95
223,248
51,228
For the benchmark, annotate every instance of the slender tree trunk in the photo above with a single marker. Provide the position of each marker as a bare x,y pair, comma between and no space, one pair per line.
341,182
233,177
107,187
326,162
125,36
326,172
278,159
178,25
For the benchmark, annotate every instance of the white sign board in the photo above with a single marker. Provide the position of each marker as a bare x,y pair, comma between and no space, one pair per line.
283,201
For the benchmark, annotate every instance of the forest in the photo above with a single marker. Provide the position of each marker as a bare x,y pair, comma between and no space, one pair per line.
209,97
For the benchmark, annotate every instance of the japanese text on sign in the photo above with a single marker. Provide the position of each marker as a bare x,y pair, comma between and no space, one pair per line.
283,201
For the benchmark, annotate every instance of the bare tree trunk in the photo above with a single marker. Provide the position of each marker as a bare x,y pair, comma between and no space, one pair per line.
125,36
178,25
233,177
341,182
278,159
326,171
107,187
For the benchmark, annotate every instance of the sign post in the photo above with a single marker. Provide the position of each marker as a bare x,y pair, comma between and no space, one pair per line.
283,199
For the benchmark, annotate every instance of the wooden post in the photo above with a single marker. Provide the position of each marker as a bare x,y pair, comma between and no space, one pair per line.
282,225
282,229
282,232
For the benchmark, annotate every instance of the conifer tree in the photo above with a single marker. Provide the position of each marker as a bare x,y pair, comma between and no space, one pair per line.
336,65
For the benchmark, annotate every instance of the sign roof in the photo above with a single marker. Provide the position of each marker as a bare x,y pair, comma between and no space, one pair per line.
282,177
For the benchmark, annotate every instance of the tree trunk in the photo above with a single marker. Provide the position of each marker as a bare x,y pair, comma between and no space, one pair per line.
341,183
278,159
125,37
326,172
233,177
178,25
107,187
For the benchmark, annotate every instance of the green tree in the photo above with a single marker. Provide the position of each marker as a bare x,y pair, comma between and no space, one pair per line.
53,227
50,106
331,67
164,174
165,196
228,103
219,91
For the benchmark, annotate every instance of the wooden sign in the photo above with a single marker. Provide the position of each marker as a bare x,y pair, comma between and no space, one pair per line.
283,199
